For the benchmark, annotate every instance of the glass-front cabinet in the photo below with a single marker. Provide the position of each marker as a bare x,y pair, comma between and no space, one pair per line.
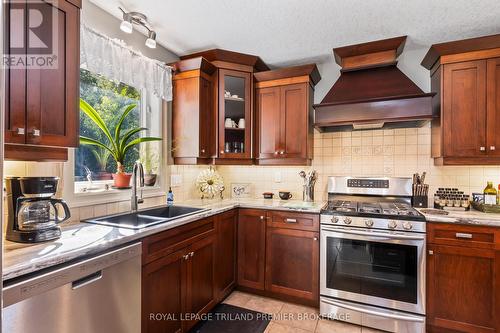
235,115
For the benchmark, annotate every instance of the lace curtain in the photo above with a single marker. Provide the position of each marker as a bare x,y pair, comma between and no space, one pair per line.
113,59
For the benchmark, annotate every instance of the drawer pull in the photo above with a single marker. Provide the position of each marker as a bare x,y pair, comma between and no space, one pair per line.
463,236
291,220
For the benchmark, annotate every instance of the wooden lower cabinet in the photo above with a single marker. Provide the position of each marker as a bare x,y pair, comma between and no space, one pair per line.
179,286
163,293
226,247
463,279
251,248
292,263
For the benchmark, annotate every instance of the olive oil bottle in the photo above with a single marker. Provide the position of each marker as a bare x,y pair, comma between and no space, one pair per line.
490,194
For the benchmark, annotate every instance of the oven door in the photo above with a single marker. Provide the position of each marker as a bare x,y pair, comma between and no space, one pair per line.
375,267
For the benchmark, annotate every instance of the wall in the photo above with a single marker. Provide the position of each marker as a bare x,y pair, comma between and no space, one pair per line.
105,23
399,152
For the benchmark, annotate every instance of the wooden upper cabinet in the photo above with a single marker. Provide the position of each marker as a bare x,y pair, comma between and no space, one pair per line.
465,75
42,103
464,109
235,115
493,107
284,130
193,116
251,248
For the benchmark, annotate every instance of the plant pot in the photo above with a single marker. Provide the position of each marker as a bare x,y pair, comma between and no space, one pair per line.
122,180
103,175
150,179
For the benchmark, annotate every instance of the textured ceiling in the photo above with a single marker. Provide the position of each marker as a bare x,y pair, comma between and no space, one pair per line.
287,32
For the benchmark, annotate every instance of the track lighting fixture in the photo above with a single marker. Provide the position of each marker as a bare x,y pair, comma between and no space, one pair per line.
131,18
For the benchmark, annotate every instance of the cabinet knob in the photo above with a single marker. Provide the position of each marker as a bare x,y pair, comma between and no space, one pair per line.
315,238
282,152
222,152
492,148
191,254
35,132
276,152
185,257
20,131
262,218
482,148
203,151
431,252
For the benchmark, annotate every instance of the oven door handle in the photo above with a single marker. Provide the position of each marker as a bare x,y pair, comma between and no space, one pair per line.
372,312
373,234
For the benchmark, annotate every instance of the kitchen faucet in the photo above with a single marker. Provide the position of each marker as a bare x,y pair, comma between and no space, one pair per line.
134,200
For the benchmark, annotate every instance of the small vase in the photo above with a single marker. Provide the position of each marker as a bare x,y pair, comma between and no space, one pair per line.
122,180
150,179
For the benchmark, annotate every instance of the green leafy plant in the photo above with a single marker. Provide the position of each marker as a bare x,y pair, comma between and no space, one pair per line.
101,156
117,145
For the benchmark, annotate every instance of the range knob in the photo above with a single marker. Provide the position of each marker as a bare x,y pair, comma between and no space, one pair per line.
392,224
369,222
347,220
407,225
335,219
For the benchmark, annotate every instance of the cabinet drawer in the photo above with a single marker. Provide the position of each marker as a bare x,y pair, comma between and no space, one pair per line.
292,220
463,235
164,243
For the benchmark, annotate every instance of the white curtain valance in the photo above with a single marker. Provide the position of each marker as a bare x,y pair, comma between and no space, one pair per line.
113,59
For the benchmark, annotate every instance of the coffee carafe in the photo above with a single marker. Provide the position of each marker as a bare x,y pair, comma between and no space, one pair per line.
33,213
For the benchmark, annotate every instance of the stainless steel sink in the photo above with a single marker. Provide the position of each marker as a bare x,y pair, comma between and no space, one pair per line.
147,217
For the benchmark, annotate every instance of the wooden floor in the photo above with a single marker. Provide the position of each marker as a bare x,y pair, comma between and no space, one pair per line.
291,316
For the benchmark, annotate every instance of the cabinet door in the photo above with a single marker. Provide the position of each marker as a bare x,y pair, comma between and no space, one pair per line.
207,119
268,122
493,106
225,267
294,120
52,117
461,289
292,263
15,77
464,109
163,292
251,248
235,114
200,279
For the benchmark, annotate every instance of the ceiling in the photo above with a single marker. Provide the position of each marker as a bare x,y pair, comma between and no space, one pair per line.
285,32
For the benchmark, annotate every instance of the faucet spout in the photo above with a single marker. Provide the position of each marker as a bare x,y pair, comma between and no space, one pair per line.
138,170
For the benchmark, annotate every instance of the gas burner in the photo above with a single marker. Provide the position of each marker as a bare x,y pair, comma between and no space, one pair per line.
342,206
369,208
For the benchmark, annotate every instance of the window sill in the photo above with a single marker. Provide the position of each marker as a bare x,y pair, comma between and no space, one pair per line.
112,195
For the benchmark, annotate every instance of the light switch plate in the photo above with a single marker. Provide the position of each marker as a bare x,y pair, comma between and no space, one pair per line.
175,180
277,177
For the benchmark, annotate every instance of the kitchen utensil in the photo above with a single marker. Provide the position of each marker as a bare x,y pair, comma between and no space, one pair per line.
285,195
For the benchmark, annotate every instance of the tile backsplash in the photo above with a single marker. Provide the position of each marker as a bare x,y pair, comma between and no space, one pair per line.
397,152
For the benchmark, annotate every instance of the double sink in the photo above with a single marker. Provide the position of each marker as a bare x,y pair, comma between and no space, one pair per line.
147,217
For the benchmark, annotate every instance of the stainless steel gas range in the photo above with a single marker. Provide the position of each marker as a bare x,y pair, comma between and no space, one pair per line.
373,254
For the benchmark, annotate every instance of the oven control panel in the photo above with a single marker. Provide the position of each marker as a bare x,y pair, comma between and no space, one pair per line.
368,183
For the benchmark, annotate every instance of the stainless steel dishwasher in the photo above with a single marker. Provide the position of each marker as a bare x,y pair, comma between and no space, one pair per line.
99,294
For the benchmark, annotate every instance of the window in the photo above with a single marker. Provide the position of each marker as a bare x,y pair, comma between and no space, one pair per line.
94,166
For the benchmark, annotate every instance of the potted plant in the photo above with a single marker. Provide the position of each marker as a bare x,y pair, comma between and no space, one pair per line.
118,144
102,156
150,161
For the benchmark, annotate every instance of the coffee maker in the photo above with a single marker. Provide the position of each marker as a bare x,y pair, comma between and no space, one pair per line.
32,212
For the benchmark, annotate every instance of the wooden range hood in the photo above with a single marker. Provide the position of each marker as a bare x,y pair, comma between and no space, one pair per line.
371,91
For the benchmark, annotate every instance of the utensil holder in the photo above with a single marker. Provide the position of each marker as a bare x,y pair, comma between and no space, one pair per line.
308,193
420,201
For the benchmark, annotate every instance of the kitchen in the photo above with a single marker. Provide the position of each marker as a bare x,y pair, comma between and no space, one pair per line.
337,183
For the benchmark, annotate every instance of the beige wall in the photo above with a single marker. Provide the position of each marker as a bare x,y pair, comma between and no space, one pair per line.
399,152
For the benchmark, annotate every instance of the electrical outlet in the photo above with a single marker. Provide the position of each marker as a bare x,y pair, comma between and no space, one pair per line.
175,180
277,177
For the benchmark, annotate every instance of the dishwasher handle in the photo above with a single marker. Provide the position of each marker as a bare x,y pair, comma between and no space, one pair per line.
91,278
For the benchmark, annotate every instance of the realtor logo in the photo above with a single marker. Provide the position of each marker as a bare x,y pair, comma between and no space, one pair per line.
33,34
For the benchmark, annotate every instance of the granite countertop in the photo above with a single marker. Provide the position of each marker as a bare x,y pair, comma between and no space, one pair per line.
84,239
472,217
